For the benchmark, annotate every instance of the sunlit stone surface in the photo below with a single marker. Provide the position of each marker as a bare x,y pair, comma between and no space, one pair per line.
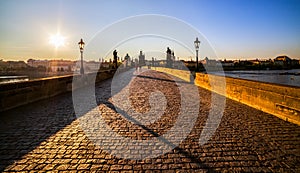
46,136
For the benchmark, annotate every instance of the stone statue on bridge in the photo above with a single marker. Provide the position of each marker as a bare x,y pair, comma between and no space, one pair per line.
169,58
115,53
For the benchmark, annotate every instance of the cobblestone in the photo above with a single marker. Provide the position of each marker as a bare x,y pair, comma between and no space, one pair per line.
47,136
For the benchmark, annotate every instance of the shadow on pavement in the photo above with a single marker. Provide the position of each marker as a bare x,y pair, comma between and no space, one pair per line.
22,129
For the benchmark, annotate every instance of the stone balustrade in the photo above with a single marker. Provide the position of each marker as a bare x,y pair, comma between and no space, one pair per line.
280,100
20,93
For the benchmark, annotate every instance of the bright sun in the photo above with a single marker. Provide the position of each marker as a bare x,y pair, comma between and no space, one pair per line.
57,40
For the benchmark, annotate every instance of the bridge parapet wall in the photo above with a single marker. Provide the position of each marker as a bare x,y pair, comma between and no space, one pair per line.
280,100
20,93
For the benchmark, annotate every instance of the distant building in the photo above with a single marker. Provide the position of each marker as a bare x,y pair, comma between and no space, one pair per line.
284,61
13,64
162,63
2,64
244,63
295,62
38,63
256,61
227,63
189,64
209,62
53,65
61,65
266,62
91,66
104,65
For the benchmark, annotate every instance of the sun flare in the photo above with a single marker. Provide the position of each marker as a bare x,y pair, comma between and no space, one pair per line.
57,40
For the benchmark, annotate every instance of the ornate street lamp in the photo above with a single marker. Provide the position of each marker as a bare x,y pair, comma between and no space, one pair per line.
197,44
81,46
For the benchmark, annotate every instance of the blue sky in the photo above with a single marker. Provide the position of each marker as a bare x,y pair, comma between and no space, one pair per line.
236,29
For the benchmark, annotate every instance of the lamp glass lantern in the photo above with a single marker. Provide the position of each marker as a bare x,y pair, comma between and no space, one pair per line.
197,43
81,45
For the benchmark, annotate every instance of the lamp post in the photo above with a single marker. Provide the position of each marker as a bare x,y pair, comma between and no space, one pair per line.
81,46
197,44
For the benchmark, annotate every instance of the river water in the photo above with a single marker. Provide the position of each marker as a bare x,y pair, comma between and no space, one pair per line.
11,79
285,77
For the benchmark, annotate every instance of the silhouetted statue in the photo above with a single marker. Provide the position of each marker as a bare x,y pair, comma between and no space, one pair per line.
127,59
169,58
169,50
115,53
152,61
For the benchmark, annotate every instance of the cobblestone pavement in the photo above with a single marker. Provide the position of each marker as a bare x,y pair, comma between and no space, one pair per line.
47,136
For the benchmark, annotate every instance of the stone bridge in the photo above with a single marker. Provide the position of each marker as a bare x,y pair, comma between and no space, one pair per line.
49,135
